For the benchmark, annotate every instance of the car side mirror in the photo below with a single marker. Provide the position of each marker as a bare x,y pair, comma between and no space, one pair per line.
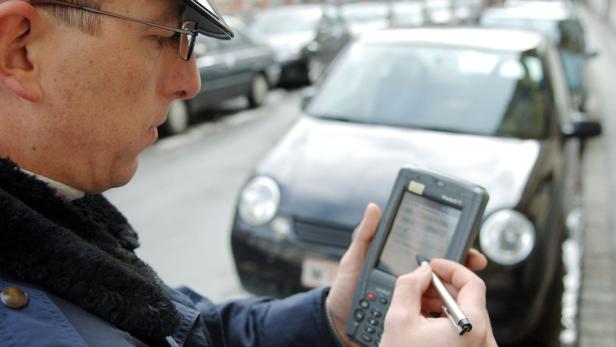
307,96
583,127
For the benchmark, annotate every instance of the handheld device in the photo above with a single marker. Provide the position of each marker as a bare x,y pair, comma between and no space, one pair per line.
429,215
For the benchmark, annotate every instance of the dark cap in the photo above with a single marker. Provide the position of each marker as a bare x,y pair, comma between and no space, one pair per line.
209,20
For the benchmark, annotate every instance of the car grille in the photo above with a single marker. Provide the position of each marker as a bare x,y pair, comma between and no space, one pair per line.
323,234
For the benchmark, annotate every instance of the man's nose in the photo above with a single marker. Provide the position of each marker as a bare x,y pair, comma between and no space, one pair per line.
186,79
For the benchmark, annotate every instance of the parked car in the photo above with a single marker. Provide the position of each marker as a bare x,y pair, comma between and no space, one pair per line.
486,105
306,38
558,21
448,12
228,69
407,14
368,16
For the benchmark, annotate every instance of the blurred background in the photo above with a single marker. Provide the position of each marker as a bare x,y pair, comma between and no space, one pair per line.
306,116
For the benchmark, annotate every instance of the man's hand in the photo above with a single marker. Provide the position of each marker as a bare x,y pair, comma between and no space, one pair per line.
405,325
341,294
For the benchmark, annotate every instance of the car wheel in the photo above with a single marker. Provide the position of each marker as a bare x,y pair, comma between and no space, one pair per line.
314,70
258,91
178,118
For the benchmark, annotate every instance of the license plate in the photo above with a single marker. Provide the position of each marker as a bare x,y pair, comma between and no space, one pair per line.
318,272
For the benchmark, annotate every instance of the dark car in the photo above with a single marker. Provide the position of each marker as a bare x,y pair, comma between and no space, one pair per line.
559,22
238,67
306,38
486,105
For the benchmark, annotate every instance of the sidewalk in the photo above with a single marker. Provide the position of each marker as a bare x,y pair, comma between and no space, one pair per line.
598,299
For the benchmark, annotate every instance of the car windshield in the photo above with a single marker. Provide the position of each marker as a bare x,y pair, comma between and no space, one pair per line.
285,22
437,88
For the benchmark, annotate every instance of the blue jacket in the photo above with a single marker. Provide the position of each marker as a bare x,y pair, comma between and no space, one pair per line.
85,286
49,321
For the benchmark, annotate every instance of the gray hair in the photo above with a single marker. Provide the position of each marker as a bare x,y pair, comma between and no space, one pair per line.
85,21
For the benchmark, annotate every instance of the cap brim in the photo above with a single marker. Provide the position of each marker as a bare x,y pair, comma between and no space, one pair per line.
209,20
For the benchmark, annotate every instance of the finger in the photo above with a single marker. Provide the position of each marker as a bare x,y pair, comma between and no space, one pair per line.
471,289
409,291
475,260
429,305
432,293
363,235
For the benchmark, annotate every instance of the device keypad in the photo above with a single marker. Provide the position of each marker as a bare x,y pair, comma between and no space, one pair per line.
369,318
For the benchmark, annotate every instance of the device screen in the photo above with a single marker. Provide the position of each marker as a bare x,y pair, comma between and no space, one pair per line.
421,226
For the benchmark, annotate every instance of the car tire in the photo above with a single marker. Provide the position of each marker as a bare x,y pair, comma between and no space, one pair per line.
258,91
178,118
314,70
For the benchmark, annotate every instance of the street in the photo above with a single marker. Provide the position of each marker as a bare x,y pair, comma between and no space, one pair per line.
182,199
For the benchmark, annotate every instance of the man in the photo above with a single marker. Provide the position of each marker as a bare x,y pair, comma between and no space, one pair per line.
82,89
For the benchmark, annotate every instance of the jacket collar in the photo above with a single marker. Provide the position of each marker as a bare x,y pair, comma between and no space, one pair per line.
82,251
63,190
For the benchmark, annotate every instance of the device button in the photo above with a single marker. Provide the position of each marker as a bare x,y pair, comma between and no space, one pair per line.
383,300
377,313
370,330
370,296
366,338
359,315
364,304
373,321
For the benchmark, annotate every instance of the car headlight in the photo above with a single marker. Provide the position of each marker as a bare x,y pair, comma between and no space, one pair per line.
507,237
259,201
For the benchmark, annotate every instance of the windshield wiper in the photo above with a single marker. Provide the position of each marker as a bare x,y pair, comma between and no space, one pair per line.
339,118
444,130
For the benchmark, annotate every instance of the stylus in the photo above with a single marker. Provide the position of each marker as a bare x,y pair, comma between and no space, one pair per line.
451,308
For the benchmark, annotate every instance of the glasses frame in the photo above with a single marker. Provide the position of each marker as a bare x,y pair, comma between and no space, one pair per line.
188,31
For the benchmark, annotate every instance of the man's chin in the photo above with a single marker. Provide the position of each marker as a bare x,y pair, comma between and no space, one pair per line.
122,177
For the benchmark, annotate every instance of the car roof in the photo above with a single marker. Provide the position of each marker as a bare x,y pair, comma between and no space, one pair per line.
512,40
540,10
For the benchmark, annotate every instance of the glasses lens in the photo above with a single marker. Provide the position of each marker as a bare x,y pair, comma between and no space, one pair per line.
187,41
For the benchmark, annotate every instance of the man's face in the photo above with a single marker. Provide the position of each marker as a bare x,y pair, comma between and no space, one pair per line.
107,93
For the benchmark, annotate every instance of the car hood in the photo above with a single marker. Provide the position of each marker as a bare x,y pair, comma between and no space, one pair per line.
328,171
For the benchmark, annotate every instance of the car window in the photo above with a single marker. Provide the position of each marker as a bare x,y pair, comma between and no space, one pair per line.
448,89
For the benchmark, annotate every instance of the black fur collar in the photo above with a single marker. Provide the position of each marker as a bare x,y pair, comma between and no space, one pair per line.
82,251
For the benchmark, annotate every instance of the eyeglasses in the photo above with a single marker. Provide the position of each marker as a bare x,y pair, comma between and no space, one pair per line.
187,32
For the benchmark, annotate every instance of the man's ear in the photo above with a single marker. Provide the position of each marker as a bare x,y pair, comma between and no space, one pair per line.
17,72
